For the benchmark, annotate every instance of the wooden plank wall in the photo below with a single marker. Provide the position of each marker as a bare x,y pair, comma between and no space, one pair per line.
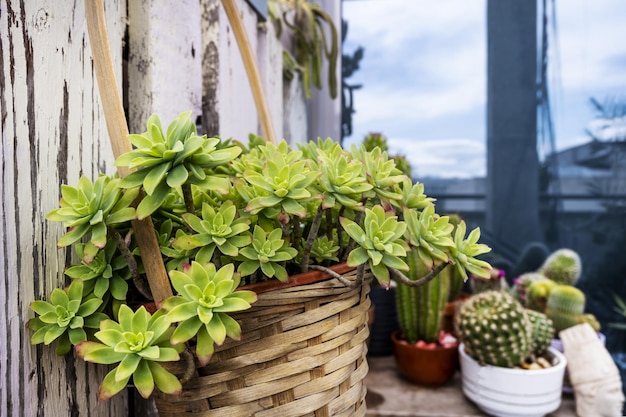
180,56
52,132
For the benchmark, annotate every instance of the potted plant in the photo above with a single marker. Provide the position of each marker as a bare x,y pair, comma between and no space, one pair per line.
500,339
269,252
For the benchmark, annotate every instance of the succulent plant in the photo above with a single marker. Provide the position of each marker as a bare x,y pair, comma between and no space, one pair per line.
495,329
267,252
282,185
522,283
90,208
373,140
565,307
65,317
206,296
216,229
380,243
495,282
562,266
138,342
543,332
262,210
170,159
106,273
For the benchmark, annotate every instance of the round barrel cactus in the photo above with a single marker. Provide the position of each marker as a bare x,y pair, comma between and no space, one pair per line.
543,331
565,307
495,329
563,266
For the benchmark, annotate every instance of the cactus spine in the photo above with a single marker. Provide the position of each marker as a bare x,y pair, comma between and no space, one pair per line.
562,266
420,309
565,307
495,329
543,331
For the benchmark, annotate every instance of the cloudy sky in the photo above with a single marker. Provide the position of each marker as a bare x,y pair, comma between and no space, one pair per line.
424,75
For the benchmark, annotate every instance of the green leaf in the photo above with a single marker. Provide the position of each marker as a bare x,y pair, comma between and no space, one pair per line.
177,176
205,346
233,329
183,312
152,202
357,257
89,307
142,378
126,367
98,353
77,335
53,333
164,380
42,307
110,386
186,330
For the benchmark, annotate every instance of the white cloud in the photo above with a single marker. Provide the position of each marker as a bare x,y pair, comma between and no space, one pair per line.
448,158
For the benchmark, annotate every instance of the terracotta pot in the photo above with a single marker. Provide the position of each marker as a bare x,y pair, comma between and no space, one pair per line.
429,367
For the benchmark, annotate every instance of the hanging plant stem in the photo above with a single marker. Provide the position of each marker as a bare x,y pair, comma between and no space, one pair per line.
140,283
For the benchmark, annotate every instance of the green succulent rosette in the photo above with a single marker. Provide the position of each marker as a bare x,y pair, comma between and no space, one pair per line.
65,318
137,344
379,243
206,297
91,207
267,251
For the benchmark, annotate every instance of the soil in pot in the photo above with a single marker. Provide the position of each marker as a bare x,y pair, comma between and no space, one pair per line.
426,366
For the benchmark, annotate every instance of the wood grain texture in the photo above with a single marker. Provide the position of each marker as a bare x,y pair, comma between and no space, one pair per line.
52,132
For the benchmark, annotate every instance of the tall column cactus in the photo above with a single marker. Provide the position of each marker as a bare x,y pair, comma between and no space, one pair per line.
420,308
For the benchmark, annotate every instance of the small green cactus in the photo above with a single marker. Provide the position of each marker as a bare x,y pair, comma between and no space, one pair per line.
537,294
592,321
495,329
565,307
543,331
562,266
522,283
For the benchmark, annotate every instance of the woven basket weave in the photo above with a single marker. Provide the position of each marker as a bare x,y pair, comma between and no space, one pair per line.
302,353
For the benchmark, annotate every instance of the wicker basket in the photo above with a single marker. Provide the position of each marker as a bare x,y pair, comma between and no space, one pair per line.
302,354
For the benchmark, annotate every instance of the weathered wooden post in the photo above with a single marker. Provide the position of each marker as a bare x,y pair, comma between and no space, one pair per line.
52,132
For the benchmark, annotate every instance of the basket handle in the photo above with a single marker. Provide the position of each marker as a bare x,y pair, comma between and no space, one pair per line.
118,132
260,99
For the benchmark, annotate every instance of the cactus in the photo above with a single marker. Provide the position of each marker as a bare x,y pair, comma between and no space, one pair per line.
562,266
521,284
537,294
531,258
455,278
420,308
495,329
495,282
565,307
592,321
543,331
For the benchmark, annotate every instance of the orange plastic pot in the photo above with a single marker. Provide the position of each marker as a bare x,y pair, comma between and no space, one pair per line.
428,367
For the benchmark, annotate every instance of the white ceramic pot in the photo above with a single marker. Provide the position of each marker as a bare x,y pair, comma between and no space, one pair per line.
506,392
